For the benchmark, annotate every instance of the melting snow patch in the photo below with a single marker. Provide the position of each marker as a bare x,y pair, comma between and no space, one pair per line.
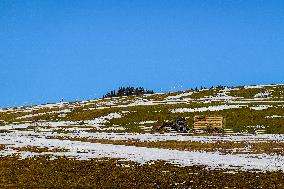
114,128
14,126
103,119
44,113
111,116
263,95
210,108
274,116
262,162
146,122
178,137
254,87
218,97
180,95
260,107
257,126
57,123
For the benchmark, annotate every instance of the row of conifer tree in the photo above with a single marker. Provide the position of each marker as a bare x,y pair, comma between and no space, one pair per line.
127,91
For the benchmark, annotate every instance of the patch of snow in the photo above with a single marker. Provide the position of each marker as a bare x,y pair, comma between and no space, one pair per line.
222,96
261,107
104,119
179,95
86,109
210,108
87,150
112,116
254,87
263,95
151,94
257,126
125,112
51,105
114,128
57,123
228,89
259,100
274,116
44,113
149,137
14,126
146,122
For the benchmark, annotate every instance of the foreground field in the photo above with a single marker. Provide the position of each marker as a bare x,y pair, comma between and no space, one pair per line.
251,152
112,173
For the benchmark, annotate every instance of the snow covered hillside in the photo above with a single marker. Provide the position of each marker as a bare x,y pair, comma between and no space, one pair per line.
120,127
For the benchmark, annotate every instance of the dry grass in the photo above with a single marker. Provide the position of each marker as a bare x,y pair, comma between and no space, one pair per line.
2,146
112,173
40,149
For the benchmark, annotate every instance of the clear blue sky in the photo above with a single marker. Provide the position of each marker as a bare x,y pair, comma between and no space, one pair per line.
80,49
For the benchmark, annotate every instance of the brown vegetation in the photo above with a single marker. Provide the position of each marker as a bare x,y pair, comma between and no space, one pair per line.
112,173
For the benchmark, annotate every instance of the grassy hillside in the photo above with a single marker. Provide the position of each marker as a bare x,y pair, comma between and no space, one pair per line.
245,109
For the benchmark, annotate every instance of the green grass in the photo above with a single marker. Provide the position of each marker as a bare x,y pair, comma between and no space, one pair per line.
247,93
204,93
239,119
236,119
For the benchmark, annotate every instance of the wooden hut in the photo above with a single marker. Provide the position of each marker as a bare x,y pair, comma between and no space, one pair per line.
208,122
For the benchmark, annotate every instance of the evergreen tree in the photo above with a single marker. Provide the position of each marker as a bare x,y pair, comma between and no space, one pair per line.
127,91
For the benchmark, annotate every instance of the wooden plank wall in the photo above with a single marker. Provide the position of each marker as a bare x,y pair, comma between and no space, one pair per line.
202,122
